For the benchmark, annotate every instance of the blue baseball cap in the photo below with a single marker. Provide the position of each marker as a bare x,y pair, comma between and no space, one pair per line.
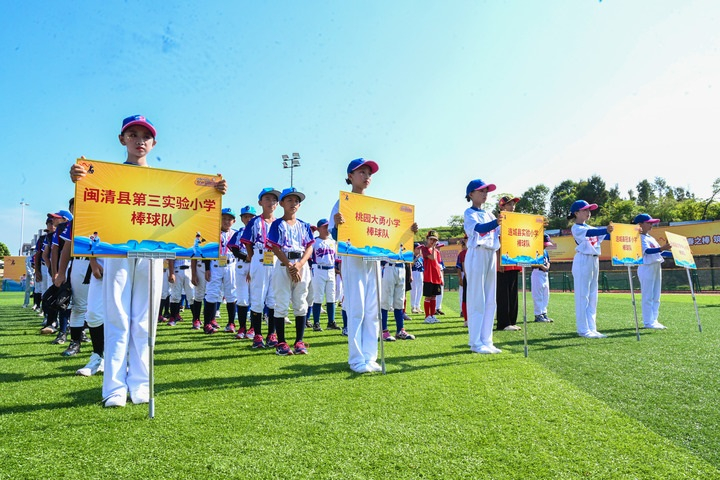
61,214
478,184
247,210
644,217
292,191
228,211
359,162
267,190
321,222
138,120
582,205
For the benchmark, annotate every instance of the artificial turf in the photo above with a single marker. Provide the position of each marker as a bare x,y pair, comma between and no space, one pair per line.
574,408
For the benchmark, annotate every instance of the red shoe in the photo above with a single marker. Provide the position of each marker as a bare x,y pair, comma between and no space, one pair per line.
258,342
230,328
283,349
241,334
210,329
215,325
300,348
272,340
250,333
197,324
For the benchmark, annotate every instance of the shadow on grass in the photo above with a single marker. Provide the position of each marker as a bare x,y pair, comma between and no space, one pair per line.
78,398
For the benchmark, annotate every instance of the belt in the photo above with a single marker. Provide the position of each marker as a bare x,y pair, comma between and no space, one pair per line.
293,255
417,269
82,258
183,267
325,267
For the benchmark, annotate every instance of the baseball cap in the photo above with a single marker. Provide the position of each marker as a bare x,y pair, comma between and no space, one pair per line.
292,191
644,217
228,211
546,240
247,210
359,162
582,205
267,190
432,234
507,199
61,214
478,184
138,120
321,222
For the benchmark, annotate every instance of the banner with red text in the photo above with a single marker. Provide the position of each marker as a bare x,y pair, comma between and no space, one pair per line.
625,245
521,239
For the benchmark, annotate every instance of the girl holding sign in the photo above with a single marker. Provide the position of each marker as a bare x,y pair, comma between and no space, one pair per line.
586,267
650,272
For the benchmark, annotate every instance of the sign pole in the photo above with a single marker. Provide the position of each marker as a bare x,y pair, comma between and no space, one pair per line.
378,278
632,292
692,291
525,327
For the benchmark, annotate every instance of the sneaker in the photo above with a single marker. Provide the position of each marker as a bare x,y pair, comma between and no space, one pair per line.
230,328
599,335
333,326
84,338
547,319
209,329
265,318
540,318
484,349
300,348
250,333
288,321
656,326
406,317
511,328
465,324
494,349
72,349
439,312
241,334
116,400
258,342
430,319
272,340
308,324
387,337
415,311
283,349
374,367
317,328
215,325
49,330
60,339
403,335
217,313
96,364
140,396
197,325
161,319
171,322
344,332
360,368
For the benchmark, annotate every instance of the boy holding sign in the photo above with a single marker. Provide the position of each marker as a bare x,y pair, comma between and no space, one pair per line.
650,272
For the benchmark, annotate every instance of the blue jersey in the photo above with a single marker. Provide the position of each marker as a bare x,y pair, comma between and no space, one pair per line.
255,233
290,238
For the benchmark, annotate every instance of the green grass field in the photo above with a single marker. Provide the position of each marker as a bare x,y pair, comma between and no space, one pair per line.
574,408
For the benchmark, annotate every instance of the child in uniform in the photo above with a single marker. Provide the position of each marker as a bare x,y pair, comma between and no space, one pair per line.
323,278
432,274
220,277
482,229
417,281
393,297
650,272
291,240
586,267
540,285
242,285
507,280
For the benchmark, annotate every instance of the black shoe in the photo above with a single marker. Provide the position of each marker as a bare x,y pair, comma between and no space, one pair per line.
60,339
72,349
439,312
84,338
333,326
308,324
317,328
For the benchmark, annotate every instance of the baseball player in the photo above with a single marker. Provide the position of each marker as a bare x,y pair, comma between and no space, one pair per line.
586,267
180,282
323,277
650,272
393,297
417,282
220,277
197,278
242,273
482,229
262,265
540,285
291,240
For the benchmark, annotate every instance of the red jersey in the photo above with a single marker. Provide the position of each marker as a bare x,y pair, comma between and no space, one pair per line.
431,263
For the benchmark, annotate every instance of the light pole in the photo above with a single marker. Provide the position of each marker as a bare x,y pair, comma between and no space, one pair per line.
22,222
291,163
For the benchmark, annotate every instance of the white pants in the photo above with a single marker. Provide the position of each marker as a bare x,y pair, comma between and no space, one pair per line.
78,313
323,285
361,307
242,287
481,302
339,292
585,270
126,294
416,290
40,286
95,315
199,291
165,291
438,298
286,291
650,276
540,286
183,284
221,284
261,290
393,287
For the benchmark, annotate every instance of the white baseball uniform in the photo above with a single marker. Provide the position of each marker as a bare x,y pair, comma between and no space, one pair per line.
585,270
650,275
323,277
293,240
222,276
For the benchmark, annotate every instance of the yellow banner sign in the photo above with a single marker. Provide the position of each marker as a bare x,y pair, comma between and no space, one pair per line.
14,268
681,250
703,238
124,208
375,227
625,245
521,239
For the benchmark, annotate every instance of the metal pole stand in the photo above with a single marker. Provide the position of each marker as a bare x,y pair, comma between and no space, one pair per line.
152,321
692,291
524,311
632,291
378,277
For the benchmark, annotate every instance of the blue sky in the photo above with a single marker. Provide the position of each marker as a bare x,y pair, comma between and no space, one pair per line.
438,93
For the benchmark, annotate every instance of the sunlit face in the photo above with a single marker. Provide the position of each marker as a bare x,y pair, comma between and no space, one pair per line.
431,241
245,219
582,216
508,207
478,197
290,204
645,227
268,202
138,140
323,231
227,222
360,177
